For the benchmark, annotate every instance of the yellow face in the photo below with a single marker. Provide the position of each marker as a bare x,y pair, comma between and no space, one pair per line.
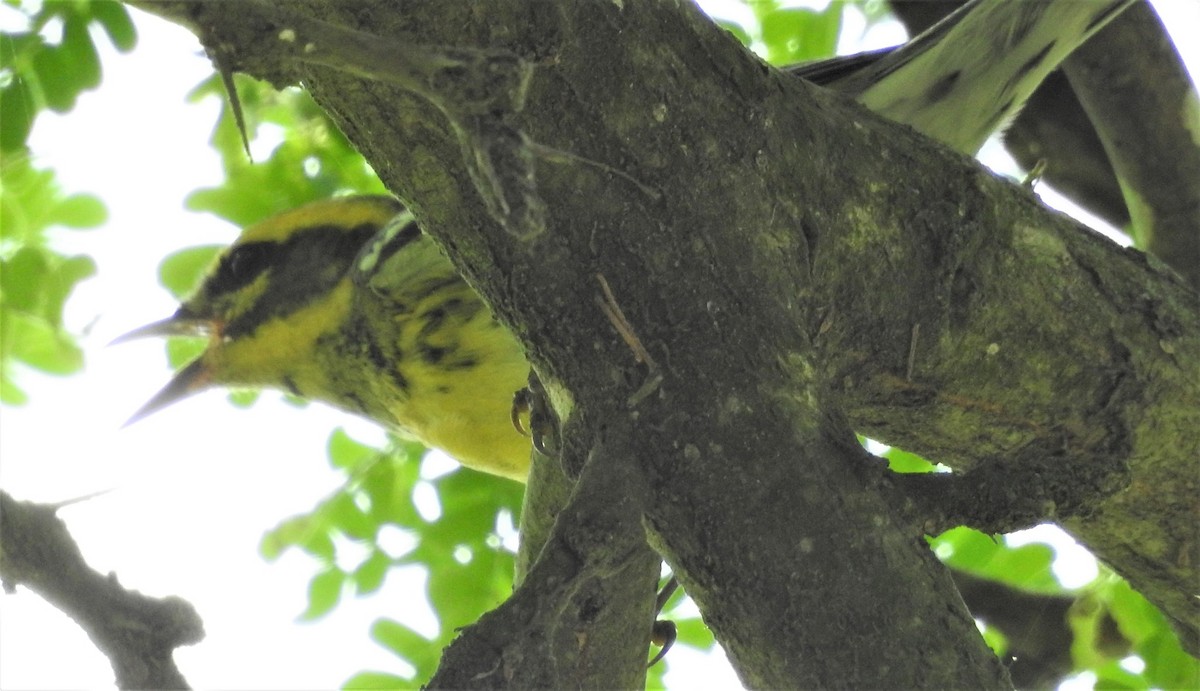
270,296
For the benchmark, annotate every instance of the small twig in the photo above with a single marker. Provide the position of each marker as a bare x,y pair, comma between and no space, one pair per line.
500,163
912,351
78,500
665,594
489,672
613,311
1035,174
648,387
827,321
235,102
559,156
664,632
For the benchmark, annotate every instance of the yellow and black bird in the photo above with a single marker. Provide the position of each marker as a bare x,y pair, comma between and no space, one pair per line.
348,302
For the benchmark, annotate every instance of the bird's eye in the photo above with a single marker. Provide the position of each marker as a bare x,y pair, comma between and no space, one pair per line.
243,264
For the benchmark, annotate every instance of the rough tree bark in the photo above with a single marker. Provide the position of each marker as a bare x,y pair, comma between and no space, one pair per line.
796,269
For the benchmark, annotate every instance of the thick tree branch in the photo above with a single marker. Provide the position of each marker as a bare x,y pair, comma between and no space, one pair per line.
793,243
582,616
137,633
1001,496
1136,91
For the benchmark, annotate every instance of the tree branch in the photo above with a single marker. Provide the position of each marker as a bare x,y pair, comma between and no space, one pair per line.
582,616
136,633
1136,91
794,243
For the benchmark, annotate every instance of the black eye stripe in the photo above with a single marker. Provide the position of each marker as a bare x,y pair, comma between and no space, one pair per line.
242,265
306,265
246,262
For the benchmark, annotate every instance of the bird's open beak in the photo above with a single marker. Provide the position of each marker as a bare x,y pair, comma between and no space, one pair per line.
180,324
191,379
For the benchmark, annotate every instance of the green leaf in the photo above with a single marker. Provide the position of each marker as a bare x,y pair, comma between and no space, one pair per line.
345,515
21,276
370,575
243,398
692,631
315,161
10,393
1111,676
1167,665
31,202
1137,618
289,533
34,285
320,545
181,271
79,211
78,49
35,281
996,640
18,110
65,275
397,637
55,74
1027,567
795,35
1109,622
182,350
422,653
656,676
41,74
309,532
346,453
388,483
964,547
117,24
35,344
459,592
324,592
900,461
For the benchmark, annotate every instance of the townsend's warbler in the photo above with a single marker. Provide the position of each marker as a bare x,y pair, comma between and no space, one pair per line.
347,301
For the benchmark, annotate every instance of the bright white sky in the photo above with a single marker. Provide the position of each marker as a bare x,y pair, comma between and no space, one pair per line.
192,487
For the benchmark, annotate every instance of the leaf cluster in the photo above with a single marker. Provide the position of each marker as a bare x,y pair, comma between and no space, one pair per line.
373,523
39,73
